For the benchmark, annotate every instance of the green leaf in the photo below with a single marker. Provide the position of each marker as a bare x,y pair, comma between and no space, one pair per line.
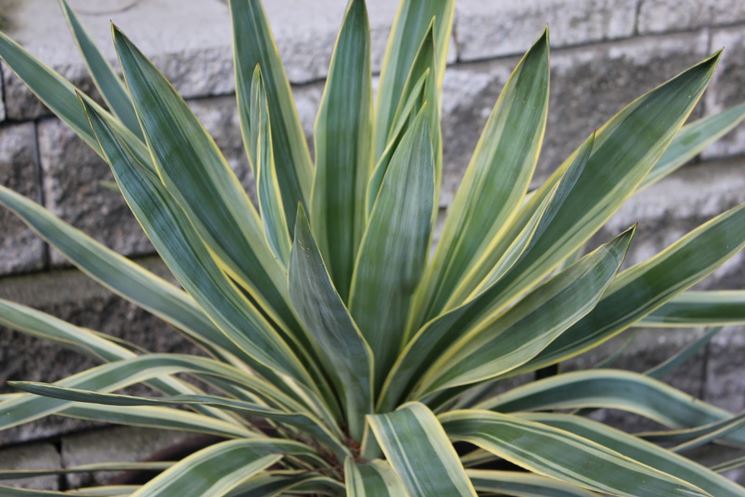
118,273
10,474
644,287
304,422
689,351
112,88
343,134
253,44
416,446
432,340
394,247
216,470
267,186
47,327
159,418
623,152
287,482
346,357
692,139
493,187
613,389
521,484
119,374
560,454
409,30
527,328
62,98
203,185
191,262
642,451
372,479
696,309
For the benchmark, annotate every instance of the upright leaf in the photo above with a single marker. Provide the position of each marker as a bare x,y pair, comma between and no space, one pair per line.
394,247
253,44
206,189
494,184
409,29
624,150
343,146
261,154
417,447
531,325
346,356
112,88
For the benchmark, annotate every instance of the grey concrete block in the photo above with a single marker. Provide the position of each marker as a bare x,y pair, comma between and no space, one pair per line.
72,296
32,456
75,189
490,29
199,64
123,444
20,249
676,205
656,16
728,88
2,95
588,86
724,372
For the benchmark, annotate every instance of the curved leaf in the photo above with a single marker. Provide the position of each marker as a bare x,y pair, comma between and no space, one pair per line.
521,484
696,309
416,446
562,455
372,479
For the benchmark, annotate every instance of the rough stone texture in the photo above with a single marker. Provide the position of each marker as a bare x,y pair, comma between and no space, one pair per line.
676,205
508,27
2,96
727,88
75,189
32,456
72,296
656,16
199,64
613,73
724,385
115,445
644,350
20,249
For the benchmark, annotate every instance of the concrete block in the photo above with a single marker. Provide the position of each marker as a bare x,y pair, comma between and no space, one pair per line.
72,296
32,456
75,189
20,249
122,444
657,16
724,370
491,29
727,88
199,64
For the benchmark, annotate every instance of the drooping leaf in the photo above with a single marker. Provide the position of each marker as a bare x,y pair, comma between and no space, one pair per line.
696,309
642,451
560,454
522,484
372,479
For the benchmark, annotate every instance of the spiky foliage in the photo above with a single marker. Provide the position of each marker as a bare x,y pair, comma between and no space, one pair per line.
342,356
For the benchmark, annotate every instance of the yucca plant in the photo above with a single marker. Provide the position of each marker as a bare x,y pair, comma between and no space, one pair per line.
342,354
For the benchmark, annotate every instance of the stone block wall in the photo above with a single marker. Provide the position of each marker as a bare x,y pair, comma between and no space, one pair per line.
605,53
